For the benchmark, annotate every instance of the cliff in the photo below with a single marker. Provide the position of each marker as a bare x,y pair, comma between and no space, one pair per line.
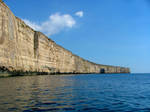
24,50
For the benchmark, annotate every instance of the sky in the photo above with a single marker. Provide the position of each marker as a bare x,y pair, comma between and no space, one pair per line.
110,32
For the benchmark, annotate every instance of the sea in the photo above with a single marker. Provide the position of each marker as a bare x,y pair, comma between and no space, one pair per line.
76,93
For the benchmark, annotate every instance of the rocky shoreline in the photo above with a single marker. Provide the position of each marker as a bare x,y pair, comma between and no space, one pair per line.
25,51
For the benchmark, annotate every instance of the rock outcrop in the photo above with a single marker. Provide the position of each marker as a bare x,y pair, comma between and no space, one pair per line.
24,50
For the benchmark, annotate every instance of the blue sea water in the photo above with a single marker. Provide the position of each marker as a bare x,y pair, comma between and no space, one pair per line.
73,93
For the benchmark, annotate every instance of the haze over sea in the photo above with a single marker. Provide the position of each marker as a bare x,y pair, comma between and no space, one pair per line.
72,93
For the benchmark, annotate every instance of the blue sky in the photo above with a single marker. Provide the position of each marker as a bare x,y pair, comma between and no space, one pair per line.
113,32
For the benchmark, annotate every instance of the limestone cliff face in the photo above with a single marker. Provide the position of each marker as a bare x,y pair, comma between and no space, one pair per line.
23,49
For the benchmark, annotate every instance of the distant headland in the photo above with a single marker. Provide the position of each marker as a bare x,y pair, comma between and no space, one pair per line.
25,51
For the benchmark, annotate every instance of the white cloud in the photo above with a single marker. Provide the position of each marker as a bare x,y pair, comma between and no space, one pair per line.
32,24
79,13
54,24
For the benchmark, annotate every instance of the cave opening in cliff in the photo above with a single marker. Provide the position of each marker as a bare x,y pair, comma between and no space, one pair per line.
102,70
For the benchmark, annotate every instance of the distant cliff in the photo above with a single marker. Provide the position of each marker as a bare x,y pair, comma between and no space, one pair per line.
24,50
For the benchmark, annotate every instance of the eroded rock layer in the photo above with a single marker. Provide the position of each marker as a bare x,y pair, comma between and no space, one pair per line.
23,49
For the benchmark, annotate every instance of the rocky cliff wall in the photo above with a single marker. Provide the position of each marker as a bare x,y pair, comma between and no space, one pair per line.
23,49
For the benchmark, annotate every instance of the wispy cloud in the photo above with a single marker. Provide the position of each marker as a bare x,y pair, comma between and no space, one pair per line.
79,13
54,24
33,25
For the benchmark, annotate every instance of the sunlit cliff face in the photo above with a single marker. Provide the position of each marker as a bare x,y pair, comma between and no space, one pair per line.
23,49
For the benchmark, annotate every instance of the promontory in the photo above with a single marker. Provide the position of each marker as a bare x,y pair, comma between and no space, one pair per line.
23,50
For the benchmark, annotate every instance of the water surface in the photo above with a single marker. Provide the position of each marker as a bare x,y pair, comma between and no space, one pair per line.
73,93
